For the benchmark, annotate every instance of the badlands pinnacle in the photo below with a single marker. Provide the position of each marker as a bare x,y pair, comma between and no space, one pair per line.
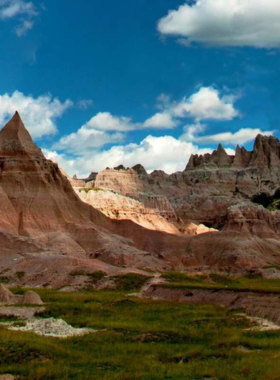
16,140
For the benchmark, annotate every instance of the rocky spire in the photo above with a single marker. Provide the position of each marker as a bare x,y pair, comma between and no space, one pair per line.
15,140
221,158
140,169
242,157
266,153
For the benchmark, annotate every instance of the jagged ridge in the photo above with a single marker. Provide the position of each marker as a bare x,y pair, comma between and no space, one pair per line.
266,154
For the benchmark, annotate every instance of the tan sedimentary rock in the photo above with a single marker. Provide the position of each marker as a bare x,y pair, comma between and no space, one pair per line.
117,206
194,229
134,183
125,182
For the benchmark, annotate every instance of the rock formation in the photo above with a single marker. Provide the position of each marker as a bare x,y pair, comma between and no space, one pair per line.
134,183
117,206
47,231
9,298
265,155
212,194
42,217
210,184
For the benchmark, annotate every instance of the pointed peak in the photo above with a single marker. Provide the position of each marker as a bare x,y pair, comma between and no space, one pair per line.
15,122
15,140
139,169
221,150
237,149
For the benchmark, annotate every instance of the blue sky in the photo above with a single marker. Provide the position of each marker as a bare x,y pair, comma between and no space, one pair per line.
144,81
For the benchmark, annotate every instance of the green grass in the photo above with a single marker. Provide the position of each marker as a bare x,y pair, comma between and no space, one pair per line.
94,276
130,281
216,281
140,339
4,280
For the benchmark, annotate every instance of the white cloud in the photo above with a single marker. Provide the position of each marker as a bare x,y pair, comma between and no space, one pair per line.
151,153
24,11
105,128
206,104
13,8
242,136
161,121
254,23
100,130
190,131
39,114
23,28
86,139
104,121
84,104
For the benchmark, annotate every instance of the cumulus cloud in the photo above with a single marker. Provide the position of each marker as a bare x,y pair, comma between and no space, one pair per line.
252,23
86,139
150,152
161,120
24,11
242,136
206,104
39,114
104,128
104,121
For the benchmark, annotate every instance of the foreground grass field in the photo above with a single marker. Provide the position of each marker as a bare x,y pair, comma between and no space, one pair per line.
141,339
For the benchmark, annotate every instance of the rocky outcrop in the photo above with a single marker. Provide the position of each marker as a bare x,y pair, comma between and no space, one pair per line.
265,155
211,186
135,183
219,158
117,206
125,182
9,298
194,229
253,219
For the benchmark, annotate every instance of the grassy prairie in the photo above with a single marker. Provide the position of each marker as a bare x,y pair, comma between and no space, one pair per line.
219,282
141,339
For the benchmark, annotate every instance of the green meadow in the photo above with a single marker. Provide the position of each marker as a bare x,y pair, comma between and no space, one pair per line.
142,339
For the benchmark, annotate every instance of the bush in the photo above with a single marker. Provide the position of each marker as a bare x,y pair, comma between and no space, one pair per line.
130,281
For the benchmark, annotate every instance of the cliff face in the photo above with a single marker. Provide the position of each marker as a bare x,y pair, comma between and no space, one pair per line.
230,178
206,189
119,207
135,183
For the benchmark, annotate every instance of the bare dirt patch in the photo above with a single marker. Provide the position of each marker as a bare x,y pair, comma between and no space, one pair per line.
52,327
